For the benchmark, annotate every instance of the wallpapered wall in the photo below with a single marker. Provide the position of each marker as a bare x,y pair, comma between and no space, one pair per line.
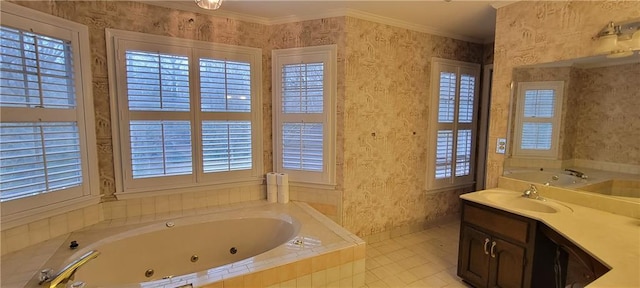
608,122
386,123
382,107
531,32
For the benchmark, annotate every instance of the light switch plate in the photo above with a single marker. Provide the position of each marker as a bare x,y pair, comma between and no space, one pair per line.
501,146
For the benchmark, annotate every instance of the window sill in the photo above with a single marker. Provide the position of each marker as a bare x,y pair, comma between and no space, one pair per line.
433,190
179,190
313,185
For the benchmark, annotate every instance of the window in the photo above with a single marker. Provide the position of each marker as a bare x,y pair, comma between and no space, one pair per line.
455,95
47,132
539,105
189,112
304,88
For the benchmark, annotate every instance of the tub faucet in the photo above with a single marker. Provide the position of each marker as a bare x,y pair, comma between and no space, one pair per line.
531,193
576,173
60,280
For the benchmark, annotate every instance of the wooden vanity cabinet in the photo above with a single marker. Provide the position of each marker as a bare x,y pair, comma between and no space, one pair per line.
501,249
496,247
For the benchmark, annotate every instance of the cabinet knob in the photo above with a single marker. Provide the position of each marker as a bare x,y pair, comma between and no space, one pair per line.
486,250
493,248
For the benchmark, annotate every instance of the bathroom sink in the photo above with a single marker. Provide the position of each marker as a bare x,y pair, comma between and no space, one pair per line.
515,200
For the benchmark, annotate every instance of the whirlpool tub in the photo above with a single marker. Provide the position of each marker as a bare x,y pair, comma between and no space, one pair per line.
255,246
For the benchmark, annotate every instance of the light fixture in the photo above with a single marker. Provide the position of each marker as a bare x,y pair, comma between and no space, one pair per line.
209,4
619,40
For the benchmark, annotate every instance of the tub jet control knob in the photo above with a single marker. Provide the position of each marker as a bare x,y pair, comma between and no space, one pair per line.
149,273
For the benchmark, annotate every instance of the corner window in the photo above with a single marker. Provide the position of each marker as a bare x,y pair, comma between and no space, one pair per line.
304,88
454,125
189,112
539,105
48,138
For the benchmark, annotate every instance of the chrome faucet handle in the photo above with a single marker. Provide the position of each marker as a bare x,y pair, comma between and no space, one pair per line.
45,275
532,192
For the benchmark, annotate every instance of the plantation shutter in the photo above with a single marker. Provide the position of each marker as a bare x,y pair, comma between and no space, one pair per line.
225,86
455,101
37,82
302,137
537,126
160,130
454,133
466,111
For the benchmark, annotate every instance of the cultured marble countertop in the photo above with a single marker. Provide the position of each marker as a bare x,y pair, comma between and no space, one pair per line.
611,238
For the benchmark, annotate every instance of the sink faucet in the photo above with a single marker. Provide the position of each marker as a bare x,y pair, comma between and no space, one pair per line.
531,193
67,273
576,173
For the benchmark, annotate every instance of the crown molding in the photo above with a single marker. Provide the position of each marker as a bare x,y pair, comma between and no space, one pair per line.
410,26
499,4
179,5
373,18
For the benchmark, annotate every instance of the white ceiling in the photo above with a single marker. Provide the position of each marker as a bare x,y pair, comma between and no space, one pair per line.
471,20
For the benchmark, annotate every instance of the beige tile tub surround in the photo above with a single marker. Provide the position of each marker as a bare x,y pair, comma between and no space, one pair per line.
612,239
532,32
334,256
21,236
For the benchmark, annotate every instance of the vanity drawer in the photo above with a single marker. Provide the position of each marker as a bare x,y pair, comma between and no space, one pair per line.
505,224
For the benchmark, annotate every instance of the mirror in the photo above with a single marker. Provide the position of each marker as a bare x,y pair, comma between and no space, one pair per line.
599,127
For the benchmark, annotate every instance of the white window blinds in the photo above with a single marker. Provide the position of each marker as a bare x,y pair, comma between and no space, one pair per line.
159,83
37,82
226,145
538,106
454,130
37,71
191,112
302,146
304,91
537,118
225,86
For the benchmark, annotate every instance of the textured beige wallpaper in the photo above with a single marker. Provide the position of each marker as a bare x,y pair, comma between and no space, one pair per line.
608,118
530,32
386,124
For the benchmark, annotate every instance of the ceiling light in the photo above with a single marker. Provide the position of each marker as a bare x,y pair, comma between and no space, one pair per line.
619,40
209,4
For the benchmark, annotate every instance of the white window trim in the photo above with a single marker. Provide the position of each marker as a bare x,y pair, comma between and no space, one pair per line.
197,48
431,183
329,56
25,210
558,87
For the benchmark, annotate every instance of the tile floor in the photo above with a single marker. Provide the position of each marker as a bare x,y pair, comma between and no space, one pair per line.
422,259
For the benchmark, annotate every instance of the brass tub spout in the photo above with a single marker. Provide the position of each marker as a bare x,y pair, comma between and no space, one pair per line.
67,273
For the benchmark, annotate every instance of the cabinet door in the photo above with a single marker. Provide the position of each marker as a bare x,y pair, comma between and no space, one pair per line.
507,264
473,262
